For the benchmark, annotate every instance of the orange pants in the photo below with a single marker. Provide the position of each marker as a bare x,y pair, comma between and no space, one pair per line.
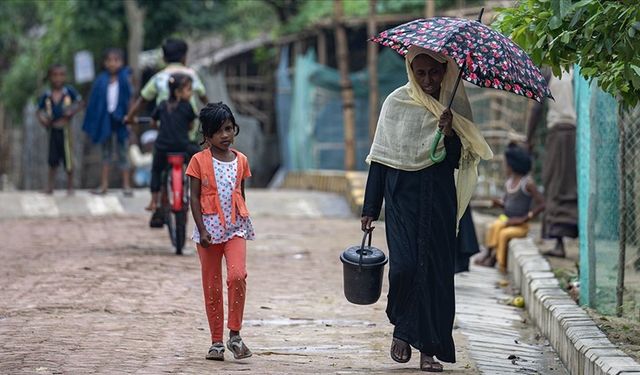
234,251
498,237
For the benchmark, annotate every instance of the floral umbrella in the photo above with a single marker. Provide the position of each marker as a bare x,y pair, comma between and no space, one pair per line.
486,58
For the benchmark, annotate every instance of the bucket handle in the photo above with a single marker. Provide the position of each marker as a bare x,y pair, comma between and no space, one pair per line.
367,233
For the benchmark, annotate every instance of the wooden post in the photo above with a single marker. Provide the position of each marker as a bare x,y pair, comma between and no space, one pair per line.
461,6
372,66
347,89
429,8
322,47
135,24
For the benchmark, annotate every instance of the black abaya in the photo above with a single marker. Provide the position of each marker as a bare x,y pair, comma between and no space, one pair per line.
420,216
467,244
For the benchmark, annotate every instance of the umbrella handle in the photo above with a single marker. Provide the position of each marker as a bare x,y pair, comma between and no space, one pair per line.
455,88
432,154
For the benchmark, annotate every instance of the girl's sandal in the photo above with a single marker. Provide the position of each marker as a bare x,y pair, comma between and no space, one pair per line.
403,347
216,352
429,365
238,348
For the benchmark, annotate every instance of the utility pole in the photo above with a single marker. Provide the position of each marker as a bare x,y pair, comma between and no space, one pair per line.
346,88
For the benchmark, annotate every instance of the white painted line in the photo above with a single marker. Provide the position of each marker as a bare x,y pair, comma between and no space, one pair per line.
104,205
36,205
303,208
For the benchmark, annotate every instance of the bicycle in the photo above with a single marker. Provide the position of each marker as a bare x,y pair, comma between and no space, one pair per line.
173,207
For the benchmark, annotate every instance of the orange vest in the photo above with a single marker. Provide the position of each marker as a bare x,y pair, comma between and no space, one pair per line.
209,198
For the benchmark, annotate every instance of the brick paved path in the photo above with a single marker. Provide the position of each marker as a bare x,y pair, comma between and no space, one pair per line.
107,295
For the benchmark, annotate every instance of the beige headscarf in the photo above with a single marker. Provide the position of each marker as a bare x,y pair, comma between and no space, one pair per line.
408,121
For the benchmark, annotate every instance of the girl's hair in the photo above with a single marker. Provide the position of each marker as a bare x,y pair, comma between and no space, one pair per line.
118,52
213,115
176,82
518,159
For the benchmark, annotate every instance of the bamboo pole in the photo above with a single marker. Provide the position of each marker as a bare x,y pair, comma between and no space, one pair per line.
347,88
429,8
372,66
135,23
322,48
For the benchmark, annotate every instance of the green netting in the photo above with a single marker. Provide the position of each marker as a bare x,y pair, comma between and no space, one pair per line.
315,133
598,186
630,120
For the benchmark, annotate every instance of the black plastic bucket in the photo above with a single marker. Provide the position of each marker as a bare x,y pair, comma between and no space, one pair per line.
363,270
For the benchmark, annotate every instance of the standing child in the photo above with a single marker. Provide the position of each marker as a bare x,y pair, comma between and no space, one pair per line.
176,121
56,107
520,191
223,225
104,121
174,52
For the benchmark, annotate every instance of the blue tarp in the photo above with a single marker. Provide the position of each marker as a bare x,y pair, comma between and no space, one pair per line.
310,122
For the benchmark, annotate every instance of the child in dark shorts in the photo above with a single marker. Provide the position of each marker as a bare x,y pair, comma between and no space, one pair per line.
104,121
176,117
56,106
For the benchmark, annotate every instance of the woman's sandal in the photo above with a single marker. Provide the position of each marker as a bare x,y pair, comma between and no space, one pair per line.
238,348
216,352
428,364
406,351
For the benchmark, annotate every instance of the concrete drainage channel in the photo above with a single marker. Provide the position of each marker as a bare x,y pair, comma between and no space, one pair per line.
501,341
582,347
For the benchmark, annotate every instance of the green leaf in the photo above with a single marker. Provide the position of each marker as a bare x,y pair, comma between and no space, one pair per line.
555,7
582,3
576,17
565,7
631,32
566,37
555,22
634,76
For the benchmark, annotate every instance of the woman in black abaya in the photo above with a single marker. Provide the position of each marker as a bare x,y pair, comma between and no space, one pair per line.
422,203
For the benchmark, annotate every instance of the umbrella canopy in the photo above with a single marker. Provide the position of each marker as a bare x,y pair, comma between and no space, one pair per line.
486,58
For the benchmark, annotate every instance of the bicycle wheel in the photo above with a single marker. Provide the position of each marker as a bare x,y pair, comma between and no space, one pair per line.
170,220
180,218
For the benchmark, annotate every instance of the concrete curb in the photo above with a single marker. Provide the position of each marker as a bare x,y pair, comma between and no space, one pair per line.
582,347
30,204
349,184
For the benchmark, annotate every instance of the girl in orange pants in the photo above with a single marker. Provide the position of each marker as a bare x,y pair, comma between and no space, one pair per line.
234,252
223,226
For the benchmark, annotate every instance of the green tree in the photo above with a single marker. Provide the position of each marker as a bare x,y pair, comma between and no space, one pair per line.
602,36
